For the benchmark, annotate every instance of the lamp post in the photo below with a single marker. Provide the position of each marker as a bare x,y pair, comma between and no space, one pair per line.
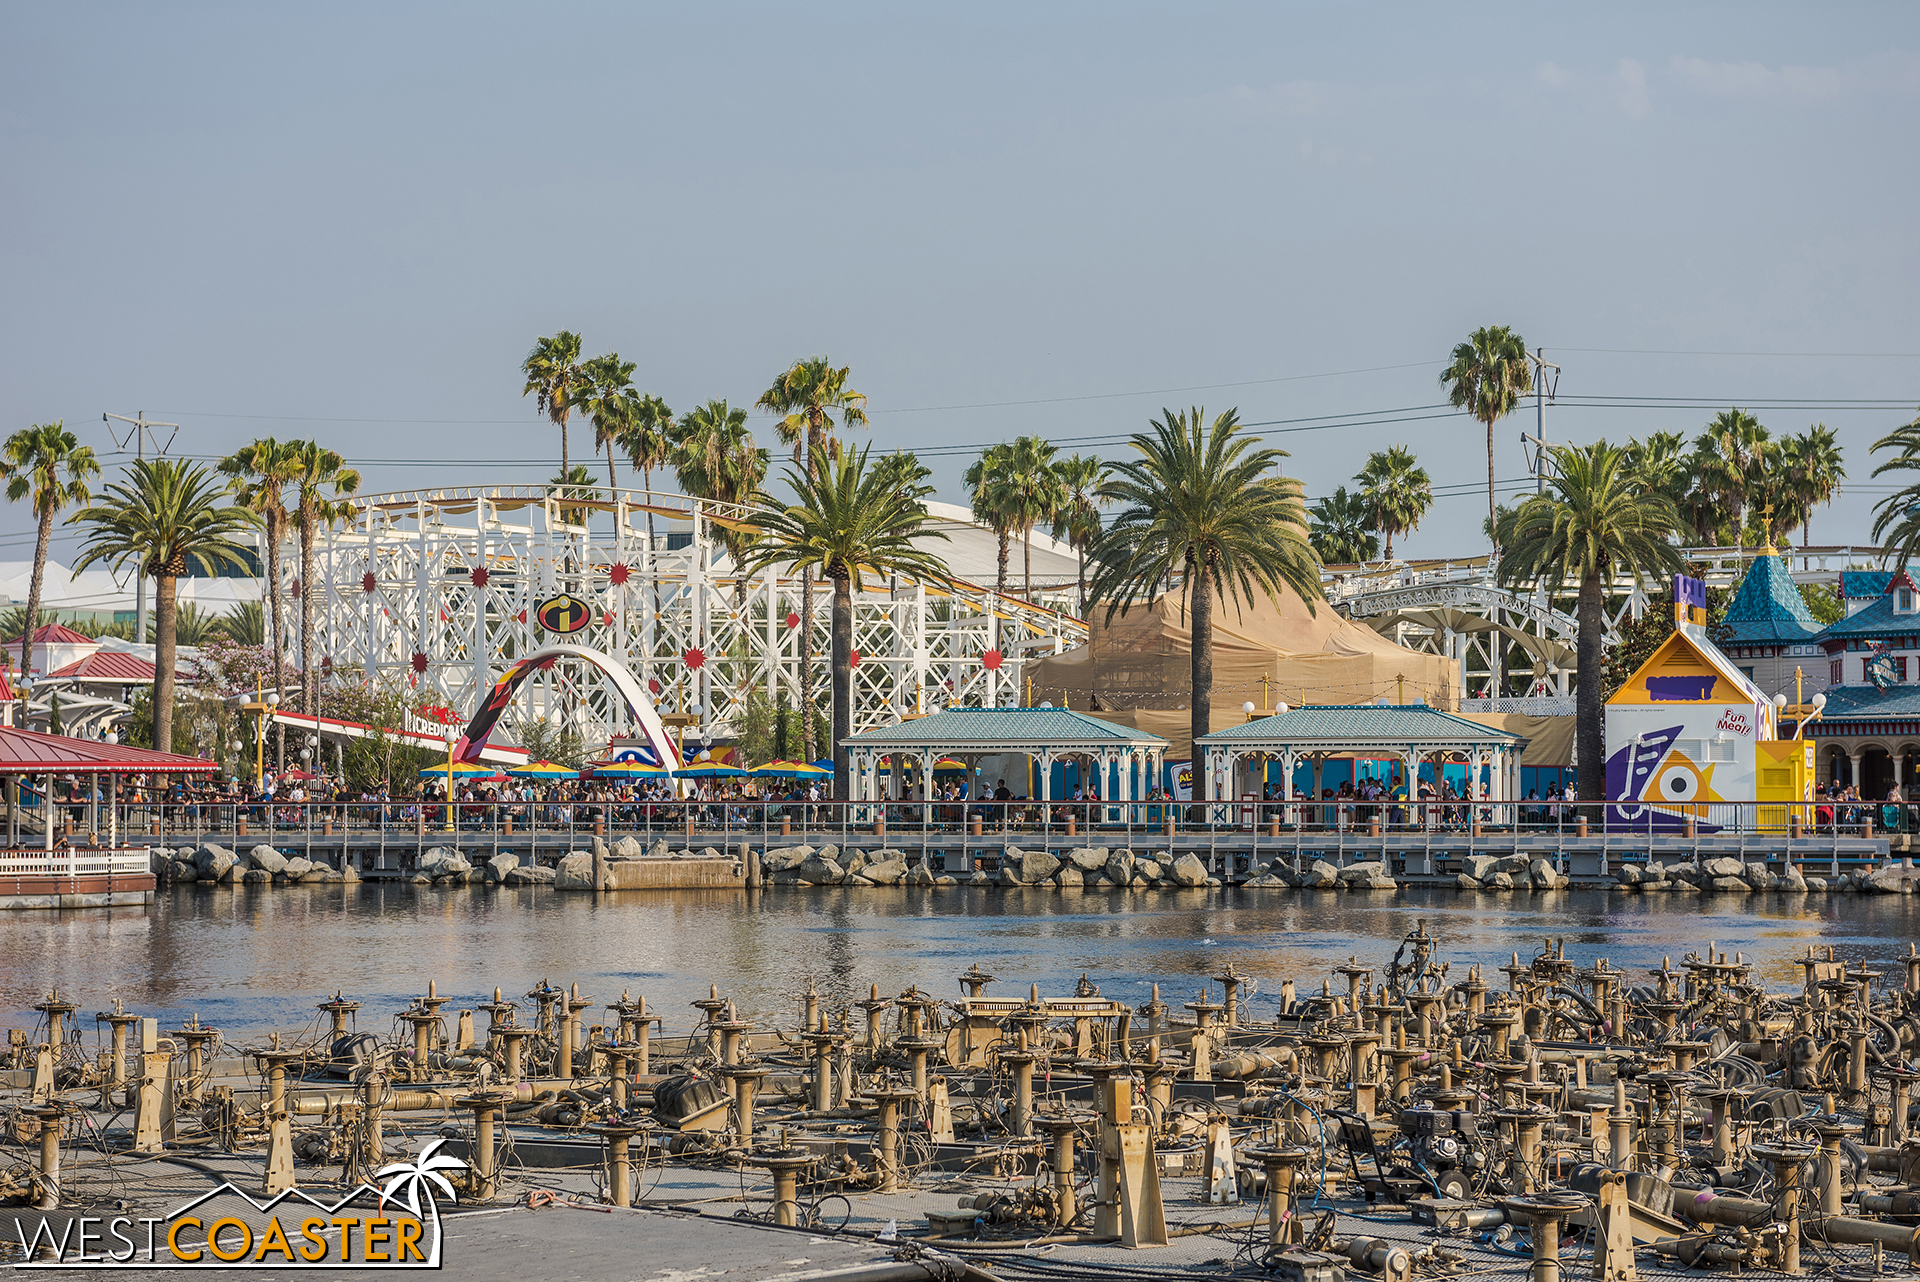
451,739
261,707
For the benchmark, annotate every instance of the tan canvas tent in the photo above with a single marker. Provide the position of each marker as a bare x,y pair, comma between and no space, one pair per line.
1142,663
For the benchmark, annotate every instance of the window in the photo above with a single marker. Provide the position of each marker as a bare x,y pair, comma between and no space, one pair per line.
1903,602
1900,667
1836,672
1749,672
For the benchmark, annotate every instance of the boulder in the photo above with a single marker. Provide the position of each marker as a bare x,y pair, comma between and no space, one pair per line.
1466,882
945,880
254,876
856,861
628,848
780,860
1816,884
1189,870
1723,867
1894,879
317,873
268,859
1366,870
212,862
529,875
855,879
1070,875
497,868
921,875
1662,884
1500,881
441,861
979,878
296,867
887,872
183,871
1627,875
1654,870
1266,881
1545,876
1120,867
1792,879
1030,866
349,874
575,872
1089,858
1481,867
829,851
659,849
1320,876
1148,871
820,870
1736,885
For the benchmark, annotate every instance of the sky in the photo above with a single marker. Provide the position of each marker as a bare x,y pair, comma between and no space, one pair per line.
351,222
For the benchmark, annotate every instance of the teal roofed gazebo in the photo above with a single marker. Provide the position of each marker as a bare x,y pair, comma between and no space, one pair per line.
1123,759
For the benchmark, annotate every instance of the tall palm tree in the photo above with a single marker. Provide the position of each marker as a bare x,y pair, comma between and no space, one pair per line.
812,399
315,471
47,463
166,518
1033,494
1595,522
1078,520
1729,464
1340,530
1660,465
1898,514
266,467
846,520
1486,377
987,479
1198,500
716,458
1396,491
645,436
555,377
606,396
1815,470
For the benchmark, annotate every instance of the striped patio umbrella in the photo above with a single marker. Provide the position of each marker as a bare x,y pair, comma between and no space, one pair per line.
627,770
712,772
461,770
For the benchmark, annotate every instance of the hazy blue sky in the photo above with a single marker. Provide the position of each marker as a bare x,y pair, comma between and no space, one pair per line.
352,221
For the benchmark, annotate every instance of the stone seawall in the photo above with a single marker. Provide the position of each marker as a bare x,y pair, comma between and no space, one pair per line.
626,865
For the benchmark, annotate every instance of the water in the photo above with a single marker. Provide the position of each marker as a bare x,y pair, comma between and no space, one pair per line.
251,959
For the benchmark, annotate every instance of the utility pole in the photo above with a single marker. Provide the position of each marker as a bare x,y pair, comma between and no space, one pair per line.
1542,393
139,426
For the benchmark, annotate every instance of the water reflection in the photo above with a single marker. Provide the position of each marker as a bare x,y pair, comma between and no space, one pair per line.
249,958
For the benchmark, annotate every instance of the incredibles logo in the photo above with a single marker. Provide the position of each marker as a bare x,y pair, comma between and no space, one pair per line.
563,614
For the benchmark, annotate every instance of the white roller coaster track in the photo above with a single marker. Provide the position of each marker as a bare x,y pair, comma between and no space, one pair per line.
439,588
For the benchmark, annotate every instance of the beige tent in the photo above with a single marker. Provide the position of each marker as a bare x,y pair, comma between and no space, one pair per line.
1140,665
1549,739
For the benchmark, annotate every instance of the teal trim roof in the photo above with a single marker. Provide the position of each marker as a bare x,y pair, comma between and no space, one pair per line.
1359,724
1876,620
1010,728
1769,608
1857,585
1848,704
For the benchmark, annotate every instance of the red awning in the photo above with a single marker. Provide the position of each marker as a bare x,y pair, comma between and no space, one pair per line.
30,752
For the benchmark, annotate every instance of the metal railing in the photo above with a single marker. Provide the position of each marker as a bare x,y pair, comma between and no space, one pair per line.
1248,830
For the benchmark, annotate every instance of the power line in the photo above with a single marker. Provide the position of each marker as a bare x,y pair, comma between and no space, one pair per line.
1655,351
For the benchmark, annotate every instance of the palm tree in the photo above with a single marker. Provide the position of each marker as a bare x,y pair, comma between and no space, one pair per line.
191,626
1815,471
606,396
574,483
313,471
1078,520
47,463
555,378
1396,492
244,624
716,458
1899,513
1198,501
1033,494
1486,376
267,467
987,479
1730,463
809,397
166,518
1340,530
1595,522
1659,465
847,520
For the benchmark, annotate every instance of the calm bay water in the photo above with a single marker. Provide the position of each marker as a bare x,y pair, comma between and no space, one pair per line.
252,959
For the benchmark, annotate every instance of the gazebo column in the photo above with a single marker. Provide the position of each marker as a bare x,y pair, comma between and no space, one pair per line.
1043,769
1319,773
1416,814
1286,785
927,760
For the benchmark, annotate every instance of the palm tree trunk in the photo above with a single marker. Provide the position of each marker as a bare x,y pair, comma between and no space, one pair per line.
1026,562
1200,593
806,630
1590,723
1389,543
309,674
1000,584
842,683
563,445
164,616
1081,577
1493,515
611,482
33,589
276,534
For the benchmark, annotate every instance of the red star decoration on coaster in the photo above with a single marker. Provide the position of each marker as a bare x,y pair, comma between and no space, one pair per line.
992,660
694,658
479,577
368,582
618,575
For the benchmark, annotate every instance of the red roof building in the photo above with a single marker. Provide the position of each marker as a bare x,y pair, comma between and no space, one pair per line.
55,645
30,752
106,667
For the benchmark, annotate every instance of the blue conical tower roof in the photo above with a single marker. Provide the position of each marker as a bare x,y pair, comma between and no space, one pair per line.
1768,607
